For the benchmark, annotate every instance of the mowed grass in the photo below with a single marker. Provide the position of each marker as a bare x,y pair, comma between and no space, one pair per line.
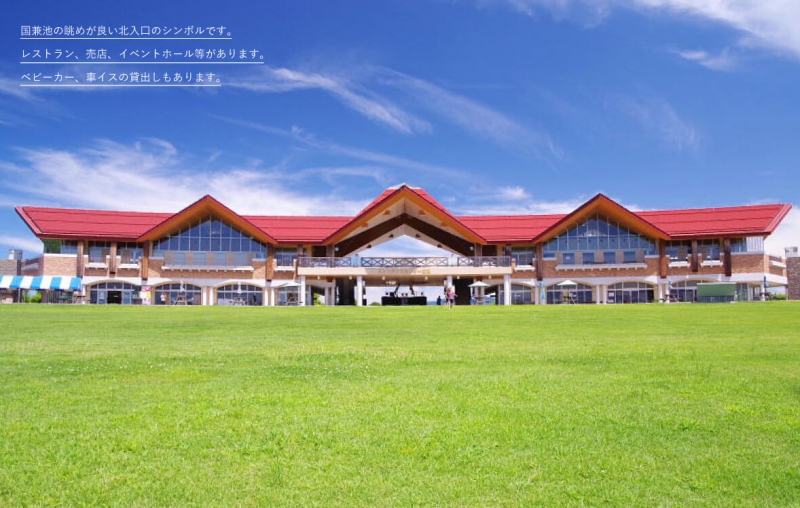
640,405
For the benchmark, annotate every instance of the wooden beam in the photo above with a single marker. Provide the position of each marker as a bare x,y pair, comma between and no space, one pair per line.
727,260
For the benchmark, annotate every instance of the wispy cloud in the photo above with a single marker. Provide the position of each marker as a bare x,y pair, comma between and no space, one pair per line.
722,61
472,116
29,244
422,169
11,87
657,117
350,93
152,175
386,96
766,23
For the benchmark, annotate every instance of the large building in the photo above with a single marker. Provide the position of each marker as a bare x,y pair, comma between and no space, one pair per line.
207,254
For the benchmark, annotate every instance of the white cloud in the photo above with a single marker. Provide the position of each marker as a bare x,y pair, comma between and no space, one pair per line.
356,87
353,95
422,169
152,176
29,245
723,61
786,235
767,23
660,119
472,116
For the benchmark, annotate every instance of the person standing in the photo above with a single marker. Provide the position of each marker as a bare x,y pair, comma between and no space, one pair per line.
450,296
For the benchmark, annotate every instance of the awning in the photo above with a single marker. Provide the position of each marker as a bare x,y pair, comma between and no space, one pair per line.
43,282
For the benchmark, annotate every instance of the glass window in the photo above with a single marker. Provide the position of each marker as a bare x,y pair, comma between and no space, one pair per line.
98,251
588,258
709,249
568,258
240,294
130,252
569,293
178,294
523,255
629,256
610,257
630,292
210,236
285,256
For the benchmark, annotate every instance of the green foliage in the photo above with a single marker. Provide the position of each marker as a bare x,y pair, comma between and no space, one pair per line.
639,405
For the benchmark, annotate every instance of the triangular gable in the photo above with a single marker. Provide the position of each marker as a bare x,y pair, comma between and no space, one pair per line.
200,209
603,205
424,205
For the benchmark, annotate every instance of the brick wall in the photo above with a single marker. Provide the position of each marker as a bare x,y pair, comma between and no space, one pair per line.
9,267
60,266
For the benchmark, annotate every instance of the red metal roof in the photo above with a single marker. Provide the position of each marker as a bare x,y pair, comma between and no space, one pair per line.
725,221
510,228
129,226
72,223
286,229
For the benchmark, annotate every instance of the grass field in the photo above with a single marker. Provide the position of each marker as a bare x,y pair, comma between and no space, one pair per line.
639,405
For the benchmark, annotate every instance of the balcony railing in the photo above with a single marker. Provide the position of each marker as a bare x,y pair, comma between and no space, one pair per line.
180,260
403,262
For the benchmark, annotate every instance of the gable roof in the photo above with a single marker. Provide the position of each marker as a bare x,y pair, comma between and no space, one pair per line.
420,208
603,205
200,209
423,203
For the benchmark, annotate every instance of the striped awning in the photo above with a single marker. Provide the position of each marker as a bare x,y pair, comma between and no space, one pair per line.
43,282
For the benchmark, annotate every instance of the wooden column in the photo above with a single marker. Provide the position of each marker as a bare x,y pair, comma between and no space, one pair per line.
539,262
81,266
112,258
270,262
694,263
727,259
147,249
663,261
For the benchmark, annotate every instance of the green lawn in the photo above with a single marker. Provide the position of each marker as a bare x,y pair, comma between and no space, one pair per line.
639,405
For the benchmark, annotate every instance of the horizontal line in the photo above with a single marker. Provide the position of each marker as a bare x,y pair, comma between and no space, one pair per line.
109,86
205,62
45,38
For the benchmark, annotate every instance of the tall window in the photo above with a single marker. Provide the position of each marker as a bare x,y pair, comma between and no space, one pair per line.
569,293
709,249
60,247
178,294
630,292
240,294
524,256
285,256
598,234
678,250
130,252
206,242
98,251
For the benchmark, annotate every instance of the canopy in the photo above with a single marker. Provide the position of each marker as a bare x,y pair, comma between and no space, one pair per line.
42,282
567,283
479,284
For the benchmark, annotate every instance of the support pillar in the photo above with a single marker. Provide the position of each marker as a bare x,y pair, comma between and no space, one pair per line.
359,291
506,289
301,298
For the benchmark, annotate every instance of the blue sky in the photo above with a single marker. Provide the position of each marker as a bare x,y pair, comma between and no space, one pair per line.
492,106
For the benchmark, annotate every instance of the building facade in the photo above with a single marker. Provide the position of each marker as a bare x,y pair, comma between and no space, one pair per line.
600,253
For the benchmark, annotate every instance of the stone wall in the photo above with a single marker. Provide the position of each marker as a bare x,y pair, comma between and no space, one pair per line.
793,274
